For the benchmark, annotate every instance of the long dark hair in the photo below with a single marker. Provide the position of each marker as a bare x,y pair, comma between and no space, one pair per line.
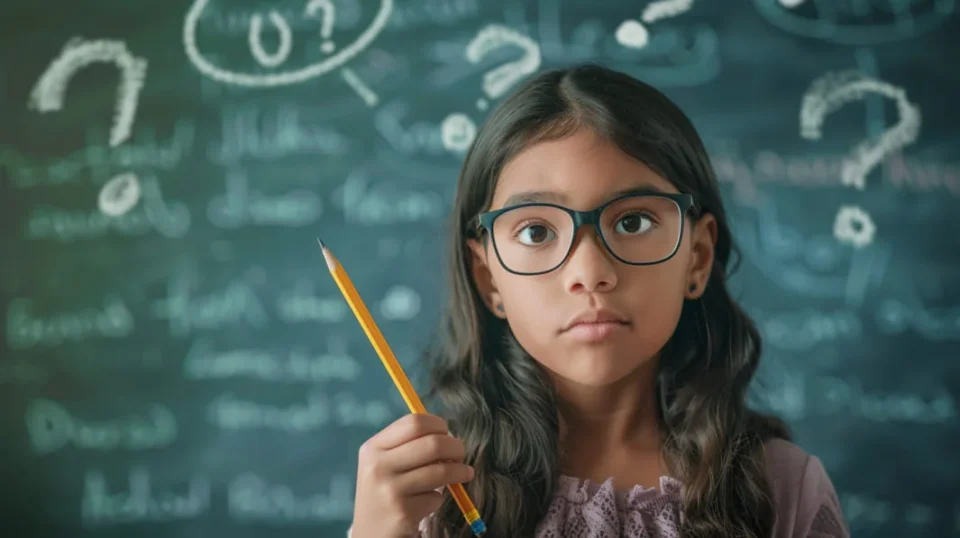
500,402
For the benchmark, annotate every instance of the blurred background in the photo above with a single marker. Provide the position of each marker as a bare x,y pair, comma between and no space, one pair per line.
177,361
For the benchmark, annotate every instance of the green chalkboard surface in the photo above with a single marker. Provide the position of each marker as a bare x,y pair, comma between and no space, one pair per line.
177,362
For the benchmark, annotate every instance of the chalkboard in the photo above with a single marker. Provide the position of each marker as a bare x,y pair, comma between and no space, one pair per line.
177,362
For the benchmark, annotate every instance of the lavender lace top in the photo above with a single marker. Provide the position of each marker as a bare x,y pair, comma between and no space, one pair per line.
806,503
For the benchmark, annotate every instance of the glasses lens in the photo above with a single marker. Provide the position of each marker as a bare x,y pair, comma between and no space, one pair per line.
532,239
642,229
637,229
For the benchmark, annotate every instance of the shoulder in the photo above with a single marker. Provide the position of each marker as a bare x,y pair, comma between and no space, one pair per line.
805,499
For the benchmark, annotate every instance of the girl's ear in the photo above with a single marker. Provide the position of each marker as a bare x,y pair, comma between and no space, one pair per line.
483,278
703,241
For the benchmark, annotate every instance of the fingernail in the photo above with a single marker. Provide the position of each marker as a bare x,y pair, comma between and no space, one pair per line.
472,471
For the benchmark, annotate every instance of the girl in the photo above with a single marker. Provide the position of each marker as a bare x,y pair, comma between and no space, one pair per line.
592,363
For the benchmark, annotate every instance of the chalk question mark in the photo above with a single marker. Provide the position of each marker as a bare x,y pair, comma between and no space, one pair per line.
326,22
833,91
457,129
122,192
634,34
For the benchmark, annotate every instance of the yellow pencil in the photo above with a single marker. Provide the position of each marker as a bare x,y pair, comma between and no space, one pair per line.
396,372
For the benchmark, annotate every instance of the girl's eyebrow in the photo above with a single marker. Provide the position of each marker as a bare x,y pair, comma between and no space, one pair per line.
561,198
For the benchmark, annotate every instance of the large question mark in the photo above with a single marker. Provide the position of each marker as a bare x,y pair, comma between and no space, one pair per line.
326,22
458,130
833,91
121,193
634,34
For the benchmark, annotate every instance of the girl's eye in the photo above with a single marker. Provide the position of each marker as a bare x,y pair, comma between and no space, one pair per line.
634,224
535,234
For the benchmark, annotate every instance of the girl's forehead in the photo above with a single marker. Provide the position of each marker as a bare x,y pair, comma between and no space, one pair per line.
581,169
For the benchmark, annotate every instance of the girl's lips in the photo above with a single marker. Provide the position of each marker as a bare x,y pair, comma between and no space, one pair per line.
596,332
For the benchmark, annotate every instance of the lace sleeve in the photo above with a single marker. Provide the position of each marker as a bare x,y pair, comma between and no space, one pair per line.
806,501
827,524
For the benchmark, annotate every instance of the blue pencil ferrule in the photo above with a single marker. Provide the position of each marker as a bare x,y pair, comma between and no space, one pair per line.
478,527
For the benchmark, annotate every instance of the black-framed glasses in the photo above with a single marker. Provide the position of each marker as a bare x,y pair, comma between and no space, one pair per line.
641,228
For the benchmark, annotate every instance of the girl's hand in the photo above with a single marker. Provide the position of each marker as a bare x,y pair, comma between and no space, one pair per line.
399,472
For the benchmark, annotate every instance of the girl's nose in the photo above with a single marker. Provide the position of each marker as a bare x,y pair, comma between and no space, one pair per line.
590,267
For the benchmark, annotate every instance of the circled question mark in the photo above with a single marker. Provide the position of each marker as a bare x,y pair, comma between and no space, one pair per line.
833,91
457,129
634,34
122,192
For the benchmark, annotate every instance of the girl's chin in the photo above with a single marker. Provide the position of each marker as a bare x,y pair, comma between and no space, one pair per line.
596,369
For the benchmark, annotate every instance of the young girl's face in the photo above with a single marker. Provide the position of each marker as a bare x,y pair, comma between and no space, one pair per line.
581,172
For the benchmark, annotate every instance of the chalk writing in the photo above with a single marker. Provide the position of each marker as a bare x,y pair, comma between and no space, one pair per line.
186,312
822,171
391,247
420,137
814,266
250,497
169,219
671,58
806,329
278,57
235,19
385,203
447,56
458,132
52,427
203,362
328,12
799,396
145,153
922,176
249,133
293,76
833,91
300,304
870,513
400,303
383,67
26,330
937,324
849,396
634,34
140,503
456,128
364,91
432,13
48,94
119,195
857,22
231,413
786,396
240,206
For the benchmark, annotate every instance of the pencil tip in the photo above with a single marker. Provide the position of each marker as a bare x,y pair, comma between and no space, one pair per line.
321,244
